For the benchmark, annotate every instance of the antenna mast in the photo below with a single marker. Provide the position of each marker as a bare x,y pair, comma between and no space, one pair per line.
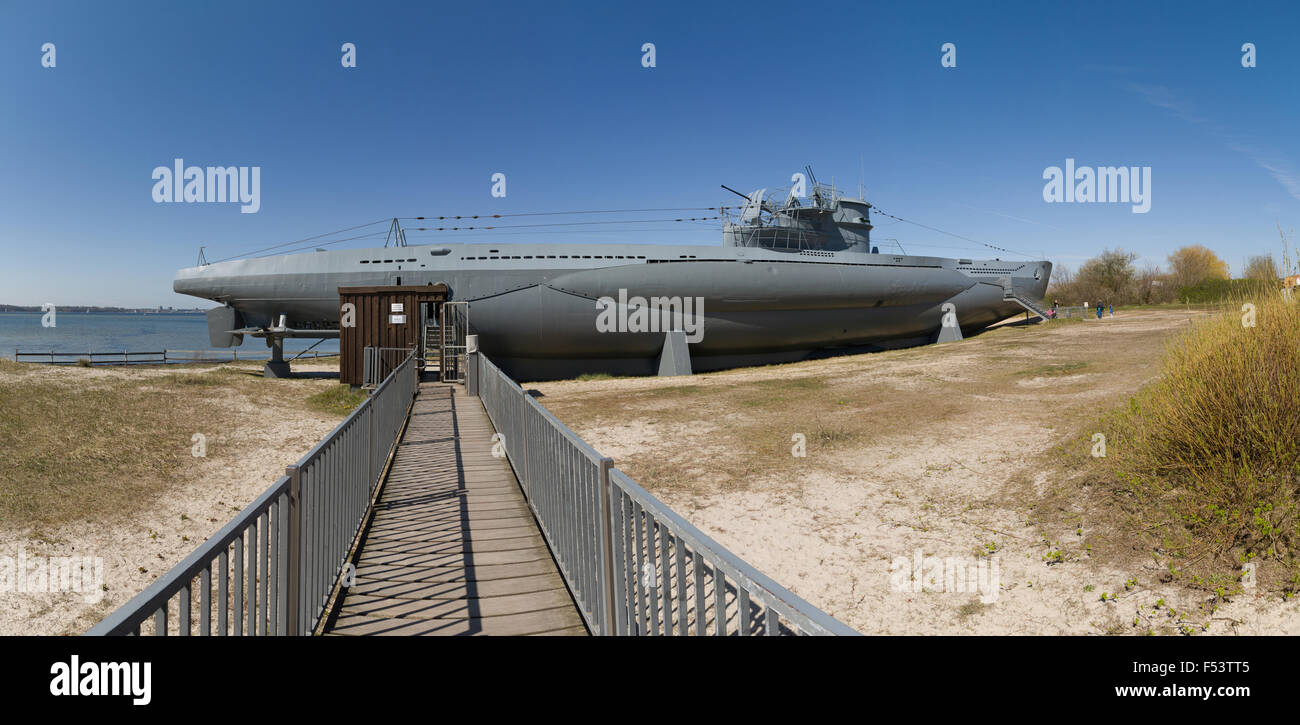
396,235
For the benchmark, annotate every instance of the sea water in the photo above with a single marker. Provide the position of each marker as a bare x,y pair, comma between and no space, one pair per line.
79,333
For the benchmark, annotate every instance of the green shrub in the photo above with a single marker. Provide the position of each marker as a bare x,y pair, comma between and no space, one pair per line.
1210,452
1223,290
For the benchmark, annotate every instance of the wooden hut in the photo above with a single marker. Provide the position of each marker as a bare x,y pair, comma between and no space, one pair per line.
391,318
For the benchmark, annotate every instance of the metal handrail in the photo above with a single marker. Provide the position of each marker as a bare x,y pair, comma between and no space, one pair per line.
305,524
376,359
750,587
618,547
563,477
155,599
124,357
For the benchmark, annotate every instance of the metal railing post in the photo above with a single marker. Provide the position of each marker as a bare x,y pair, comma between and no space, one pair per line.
523,436
370,444
293,626
606,551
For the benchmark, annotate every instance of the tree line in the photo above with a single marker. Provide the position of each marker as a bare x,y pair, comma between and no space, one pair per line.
1194,274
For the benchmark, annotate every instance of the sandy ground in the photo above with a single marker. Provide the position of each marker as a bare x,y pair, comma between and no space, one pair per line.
956,427
240,464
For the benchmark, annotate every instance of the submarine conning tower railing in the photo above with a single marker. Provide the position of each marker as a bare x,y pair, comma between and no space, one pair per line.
775,237
814,223
633,565
289,547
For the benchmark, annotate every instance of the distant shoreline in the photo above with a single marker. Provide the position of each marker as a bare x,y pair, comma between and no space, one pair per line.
93,310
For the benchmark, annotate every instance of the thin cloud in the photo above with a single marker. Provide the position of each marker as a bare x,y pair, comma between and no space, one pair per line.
1275,163
1163,97
1278,166
1009,216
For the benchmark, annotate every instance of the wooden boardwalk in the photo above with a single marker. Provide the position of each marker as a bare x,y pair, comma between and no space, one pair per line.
452,548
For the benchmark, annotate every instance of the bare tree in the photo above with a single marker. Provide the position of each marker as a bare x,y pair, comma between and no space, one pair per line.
1261,267
1152,286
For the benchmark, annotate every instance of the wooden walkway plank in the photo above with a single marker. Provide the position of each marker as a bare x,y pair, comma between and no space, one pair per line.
452,548
457,589
546,621
448,574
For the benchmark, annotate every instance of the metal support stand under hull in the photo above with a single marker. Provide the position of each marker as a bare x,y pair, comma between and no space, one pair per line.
948,333
276,367
675,357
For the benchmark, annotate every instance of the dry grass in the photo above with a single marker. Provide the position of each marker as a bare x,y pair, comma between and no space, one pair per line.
1203,465
85,443
338,400
1062,369
726,431
947,449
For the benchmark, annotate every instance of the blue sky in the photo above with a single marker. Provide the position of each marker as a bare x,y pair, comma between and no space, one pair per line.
554,96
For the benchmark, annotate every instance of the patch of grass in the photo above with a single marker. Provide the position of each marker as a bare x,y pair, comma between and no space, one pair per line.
677,390
588,377
338,400
73,452
971,608
89,448
1050,370
191,380
777,393
780,385
833,436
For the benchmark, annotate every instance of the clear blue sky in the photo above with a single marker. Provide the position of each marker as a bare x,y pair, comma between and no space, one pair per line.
553,95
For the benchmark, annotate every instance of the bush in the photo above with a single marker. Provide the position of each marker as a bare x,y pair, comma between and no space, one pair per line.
1222,290
1209,454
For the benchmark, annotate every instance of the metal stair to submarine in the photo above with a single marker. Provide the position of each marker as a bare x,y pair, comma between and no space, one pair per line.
1009,294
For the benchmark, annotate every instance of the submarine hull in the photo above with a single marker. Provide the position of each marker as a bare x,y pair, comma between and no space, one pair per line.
536,308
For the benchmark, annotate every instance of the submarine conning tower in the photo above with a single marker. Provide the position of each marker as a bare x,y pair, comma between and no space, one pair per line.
822,221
